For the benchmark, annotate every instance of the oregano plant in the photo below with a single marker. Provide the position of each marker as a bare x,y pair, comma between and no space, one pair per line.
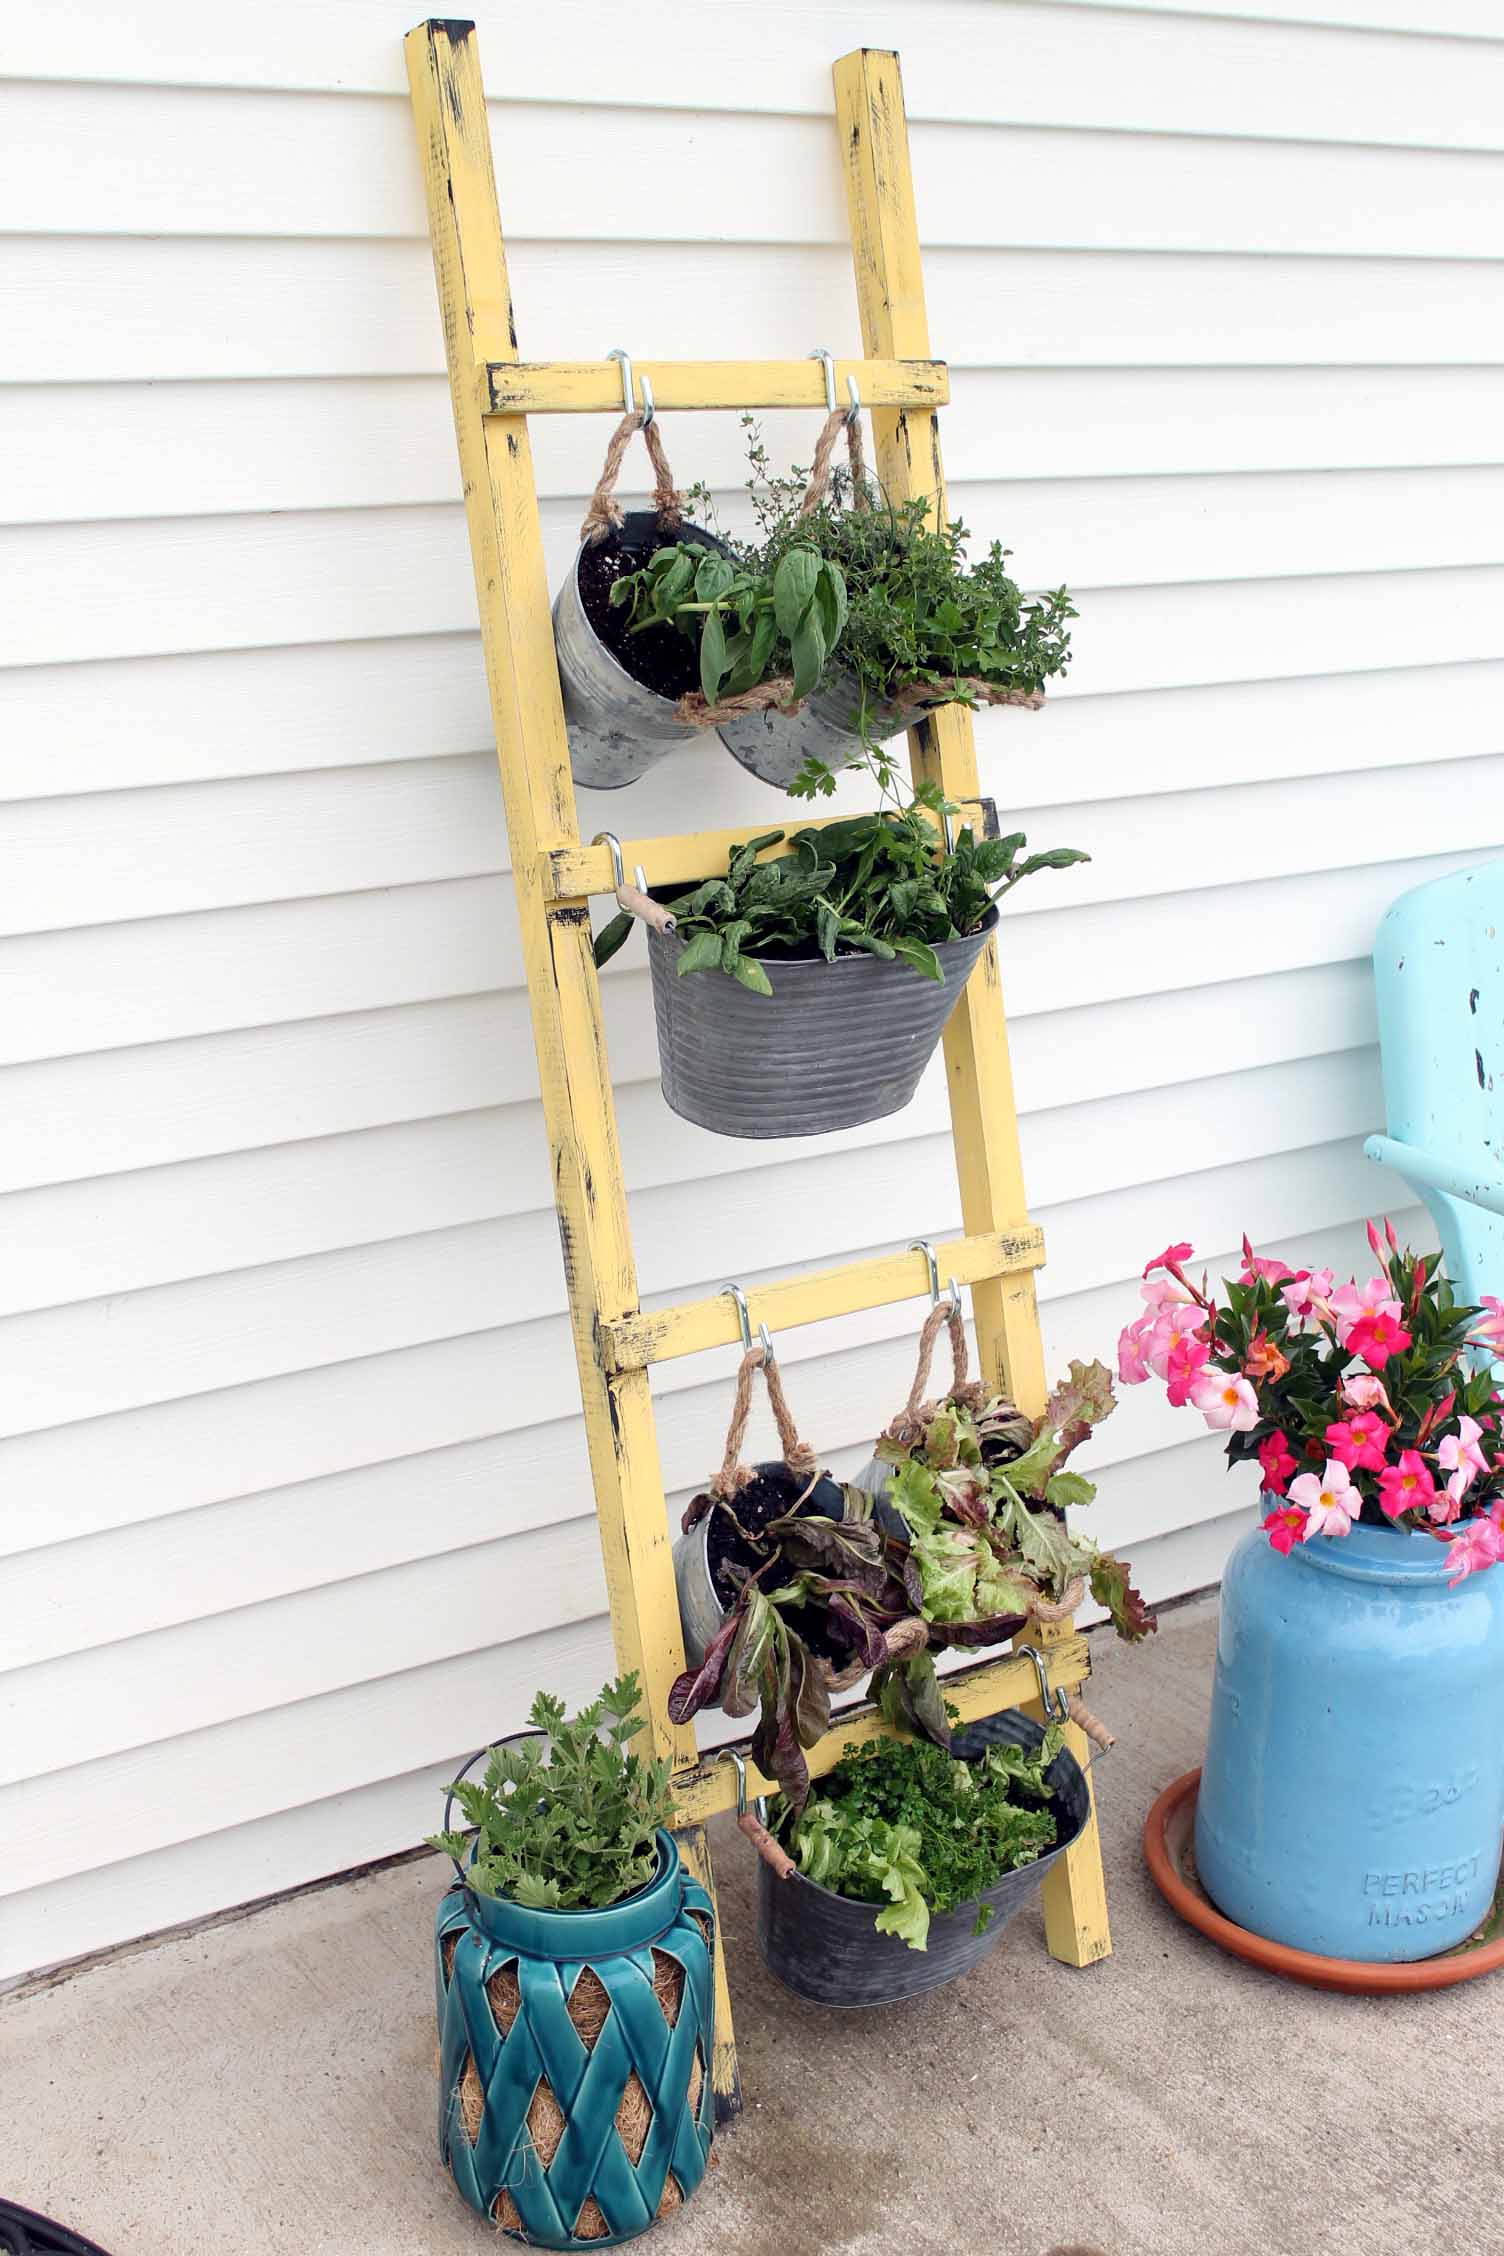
572,1829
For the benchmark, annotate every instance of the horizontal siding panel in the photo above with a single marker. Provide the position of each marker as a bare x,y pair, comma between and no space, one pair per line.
73,452
189,1101
120,1232
1280,69
437,822
94,1357
91,159
309,308
288,710
73,1482
171,978
190,584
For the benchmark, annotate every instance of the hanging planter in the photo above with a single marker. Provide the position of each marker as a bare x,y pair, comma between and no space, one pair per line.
897,624
788,1590
621,689
824,977
1351,1806
827,1045
576,2028
834,1946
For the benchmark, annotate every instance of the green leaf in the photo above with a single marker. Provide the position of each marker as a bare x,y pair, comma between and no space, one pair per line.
712,656
808,645
713,576
921,957
794,581
702,953
750,974
611,937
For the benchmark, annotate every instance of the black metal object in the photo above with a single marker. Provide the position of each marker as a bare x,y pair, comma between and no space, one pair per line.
825,1947
24,2233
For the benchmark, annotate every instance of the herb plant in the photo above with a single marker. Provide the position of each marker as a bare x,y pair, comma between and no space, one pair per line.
577,1830
752,620
915,1830
882,884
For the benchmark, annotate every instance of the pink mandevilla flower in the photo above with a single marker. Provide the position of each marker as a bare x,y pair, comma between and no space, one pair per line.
1132,1340
1188,1352
1227,1402
1359,1442
1363,1391
1329,1500
1489,1331
1257,1266
1477,1545
1376,1338
1446,1505
1285,1528
1460,1455
1407,1486
1173,1257
1276,1462
1351,1305
1307,1293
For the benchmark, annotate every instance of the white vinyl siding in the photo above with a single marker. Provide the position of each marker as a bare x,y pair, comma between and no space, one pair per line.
294,1506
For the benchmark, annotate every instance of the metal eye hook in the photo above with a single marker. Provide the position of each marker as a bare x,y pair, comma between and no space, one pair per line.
618,866
644,385
952,1291
744,1318
735,1755
826,359
1056,1703
619,353
855,398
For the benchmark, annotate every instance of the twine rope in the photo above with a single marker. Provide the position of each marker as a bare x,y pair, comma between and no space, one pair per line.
916,1413
797,1455
604,513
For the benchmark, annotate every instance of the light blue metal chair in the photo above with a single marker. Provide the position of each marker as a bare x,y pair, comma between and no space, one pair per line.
1439,968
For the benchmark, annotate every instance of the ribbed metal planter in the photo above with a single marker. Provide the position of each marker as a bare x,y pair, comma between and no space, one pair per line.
775,746
617,728
834,1044
575,2100
825,1947
700,1610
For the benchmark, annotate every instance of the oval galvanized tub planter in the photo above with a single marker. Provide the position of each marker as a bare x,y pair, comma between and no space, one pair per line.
834,1044
774,746
617,728
826,1948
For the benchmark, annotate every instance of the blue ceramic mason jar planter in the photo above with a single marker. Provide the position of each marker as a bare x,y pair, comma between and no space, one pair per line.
1352,1799
575,2100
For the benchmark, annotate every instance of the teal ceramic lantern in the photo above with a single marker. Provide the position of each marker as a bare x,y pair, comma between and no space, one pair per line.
1352,1798
575,2099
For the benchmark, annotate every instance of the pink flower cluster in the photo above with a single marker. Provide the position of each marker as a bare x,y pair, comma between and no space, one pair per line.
1231,1369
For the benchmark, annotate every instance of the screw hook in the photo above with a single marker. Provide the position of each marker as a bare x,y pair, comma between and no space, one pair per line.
826,359
644,385
744,1318
855,398
1056,1703
620,354
952,1291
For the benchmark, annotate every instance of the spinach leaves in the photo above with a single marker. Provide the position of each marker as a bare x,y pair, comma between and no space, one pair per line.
883,884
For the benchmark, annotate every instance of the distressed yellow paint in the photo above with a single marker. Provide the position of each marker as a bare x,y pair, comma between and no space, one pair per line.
663,1333
1074,1891
890,292
585,387
976,1691
492,392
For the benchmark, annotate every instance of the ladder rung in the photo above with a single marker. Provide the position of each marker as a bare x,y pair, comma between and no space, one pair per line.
976,1692
569,872
659,1335
586,387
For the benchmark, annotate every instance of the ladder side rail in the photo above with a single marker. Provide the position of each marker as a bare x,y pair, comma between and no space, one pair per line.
873,131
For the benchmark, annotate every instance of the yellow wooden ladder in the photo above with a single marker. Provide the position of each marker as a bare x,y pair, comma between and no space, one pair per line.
494,392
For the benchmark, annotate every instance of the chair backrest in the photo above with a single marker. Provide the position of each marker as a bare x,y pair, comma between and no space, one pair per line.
1439,970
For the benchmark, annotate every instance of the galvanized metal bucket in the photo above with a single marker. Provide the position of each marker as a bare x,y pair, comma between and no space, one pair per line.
700,1610
826,1947
617,728
774,746
833,1045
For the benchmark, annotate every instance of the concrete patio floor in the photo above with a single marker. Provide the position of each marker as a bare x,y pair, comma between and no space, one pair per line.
267,2084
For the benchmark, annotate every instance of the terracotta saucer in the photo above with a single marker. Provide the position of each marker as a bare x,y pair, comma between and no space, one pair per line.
1167,1851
